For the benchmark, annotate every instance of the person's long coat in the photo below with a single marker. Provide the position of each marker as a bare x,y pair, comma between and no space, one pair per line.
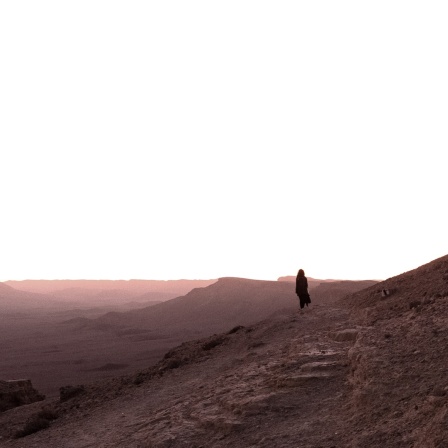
302,290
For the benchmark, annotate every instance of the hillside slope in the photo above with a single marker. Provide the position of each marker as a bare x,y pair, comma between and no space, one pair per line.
368,372
400,361
329,292
271,384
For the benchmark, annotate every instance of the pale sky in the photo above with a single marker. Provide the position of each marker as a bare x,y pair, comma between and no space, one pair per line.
203,139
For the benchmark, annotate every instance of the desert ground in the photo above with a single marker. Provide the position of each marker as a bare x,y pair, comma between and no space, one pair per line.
365,370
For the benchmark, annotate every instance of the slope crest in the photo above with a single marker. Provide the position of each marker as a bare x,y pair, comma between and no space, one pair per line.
398,294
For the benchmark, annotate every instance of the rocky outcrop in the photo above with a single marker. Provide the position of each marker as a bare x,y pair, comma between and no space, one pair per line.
17,393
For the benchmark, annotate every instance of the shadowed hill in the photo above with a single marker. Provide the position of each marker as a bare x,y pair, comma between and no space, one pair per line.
217,307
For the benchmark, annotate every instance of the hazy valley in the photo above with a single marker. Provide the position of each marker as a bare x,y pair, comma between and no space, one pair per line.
38,341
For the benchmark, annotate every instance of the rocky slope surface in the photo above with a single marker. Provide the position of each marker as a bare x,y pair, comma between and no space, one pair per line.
400,363
369,371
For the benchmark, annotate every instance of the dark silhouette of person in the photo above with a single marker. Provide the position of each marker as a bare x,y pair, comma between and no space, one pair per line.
302,289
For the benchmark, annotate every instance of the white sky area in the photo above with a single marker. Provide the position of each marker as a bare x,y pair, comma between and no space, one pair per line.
204,139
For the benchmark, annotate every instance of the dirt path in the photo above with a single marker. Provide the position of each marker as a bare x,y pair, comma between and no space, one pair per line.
282,382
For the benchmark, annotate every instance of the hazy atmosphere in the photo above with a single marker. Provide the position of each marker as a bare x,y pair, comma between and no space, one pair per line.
166,140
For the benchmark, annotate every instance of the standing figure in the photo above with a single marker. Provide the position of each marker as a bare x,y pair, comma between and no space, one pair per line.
302,289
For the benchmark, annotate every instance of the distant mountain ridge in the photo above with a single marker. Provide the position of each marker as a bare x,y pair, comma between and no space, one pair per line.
311,280
137,287
35,294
